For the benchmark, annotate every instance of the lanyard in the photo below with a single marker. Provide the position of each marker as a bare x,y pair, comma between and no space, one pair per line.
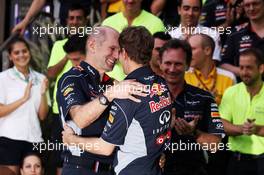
212,89
20,76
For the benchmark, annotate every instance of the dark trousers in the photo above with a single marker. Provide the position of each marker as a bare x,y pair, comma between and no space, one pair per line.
218,162
56,138
246,165
70,169
182,169
74,165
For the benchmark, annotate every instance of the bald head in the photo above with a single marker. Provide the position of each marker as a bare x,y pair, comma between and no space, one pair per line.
204,41
101,34
102,48
202,50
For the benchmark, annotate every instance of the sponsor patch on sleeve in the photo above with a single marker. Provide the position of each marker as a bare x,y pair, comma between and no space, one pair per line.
111,118
67,91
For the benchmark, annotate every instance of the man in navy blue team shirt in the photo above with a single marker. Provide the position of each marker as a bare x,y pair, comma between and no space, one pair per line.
139,130
83,100
196,127
248,37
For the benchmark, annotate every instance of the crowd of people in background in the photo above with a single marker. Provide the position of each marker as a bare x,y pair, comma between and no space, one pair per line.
203,62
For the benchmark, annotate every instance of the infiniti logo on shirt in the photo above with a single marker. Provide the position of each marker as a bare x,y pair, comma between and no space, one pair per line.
164,117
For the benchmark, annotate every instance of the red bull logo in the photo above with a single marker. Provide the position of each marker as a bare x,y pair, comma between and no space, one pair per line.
156,106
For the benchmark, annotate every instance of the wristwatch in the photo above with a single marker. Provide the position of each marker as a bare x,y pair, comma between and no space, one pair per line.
103,100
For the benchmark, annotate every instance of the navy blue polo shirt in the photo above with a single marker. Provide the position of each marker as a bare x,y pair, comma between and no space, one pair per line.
192,103
79,86
238,42
213,13
140,130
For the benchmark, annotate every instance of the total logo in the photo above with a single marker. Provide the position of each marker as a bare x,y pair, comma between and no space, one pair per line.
156,106
160,140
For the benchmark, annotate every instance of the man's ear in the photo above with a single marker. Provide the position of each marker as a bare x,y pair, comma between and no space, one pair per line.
208,51
126,55
91,44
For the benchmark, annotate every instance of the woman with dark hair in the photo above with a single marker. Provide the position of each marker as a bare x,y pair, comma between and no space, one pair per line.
23,102
31,164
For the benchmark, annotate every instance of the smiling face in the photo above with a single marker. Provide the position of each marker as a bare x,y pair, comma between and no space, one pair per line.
173,65
20,55
31,166
249,71
189,12
254,9
76,18
107,51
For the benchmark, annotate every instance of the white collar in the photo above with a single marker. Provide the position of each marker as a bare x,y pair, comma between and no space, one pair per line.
15,74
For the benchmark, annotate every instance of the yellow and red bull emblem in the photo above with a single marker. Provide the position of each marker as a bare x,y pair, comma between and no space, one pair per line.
157,89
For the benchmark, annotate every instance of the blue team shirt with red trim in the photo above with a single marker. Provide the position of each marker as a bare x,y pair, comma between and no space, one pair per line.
79,86
140,130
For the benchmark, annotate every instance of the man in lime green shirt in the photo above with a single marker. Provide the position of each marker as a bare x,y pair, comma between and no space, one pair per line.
242,112
58,58
133,15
